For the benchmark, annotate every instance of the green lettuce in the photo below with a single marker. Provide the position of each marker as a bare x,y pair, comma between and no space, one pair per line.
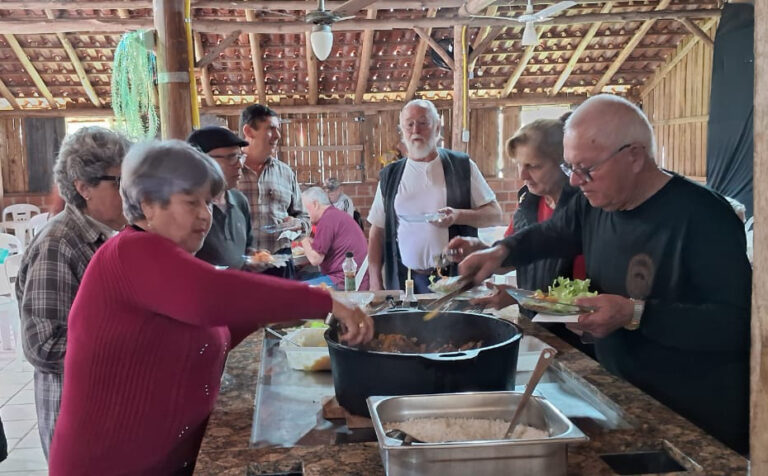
567,290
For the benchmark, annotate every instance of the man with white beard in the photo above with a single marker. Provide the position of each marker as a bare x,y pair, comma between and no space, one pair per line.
422,201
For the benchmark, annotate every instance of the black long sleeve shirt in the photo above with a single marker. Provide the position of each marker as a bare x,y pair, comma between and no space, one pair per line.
688,247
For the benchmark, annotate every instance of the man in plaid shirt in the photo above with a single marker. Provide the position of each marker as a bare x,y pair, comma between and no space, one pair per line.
270,185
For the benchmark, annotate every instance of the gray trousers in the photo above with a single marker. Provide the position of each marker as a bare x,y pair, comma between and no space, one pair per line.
47,402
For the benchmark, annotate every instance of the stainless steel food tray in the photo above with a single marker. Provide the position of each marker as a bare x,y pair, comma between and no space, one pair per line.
546,456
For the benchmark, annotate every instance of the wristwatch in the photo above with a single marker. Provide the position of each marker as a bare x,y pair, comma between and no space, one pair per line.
638,306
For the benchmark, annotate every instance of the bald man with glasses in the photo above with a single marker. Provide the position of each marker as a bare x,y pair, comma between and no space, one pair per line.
230,237
668,258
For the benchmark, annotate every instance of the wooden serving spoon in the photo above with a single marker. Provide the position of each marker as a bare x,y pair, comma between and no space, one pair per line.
545,358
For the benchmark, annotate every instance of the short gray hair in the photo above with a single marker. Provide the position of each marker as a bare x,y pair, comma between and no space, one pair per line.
153,171
316,194
85,155
424,104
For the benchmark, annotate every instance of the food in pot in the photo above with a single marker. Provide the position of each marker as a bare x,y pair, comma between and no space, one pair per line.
437,430
402,344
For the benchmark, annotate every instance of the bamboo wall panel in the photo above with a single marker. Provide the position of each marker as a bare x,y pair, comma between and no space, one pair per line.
484,139
678,108
14,164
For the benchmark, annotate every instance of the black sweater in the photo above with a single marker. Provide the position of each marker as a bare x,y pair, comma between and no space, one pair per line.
691,351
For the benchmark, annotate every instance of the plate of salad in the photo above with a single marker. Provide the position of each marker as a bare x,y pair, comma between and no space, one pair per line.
559,298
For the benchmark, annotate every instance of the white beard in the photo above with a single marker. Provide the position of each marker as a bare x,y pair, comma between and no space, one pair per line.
420,150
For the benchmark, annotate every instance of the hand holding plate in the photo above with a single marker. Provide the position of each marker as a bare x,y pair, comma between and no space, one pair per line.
611,312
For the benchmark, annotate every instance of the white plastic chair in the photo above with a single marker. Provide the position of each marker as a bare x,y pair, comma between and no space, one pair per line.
361,273
35,224
19,214
10,323
11,243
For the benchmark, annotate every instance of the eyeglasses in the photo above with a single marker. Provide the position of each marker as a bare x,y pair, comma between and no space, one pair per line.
109,178
231,159
584,172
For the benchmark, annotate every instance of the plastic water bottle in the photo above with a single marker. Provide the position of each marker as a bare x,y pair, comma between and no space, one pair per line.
349,267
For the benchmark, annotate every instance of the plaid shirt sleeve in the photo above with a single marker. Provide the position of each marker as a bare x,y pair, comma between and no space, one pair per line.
49,277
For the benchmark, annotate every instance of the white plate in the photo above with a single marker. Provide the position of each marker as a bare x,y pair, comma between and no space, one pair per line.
566,319
422,217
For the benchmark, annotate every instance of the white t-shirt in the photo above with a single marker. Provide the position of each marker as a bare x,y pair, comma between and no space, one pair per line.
422,190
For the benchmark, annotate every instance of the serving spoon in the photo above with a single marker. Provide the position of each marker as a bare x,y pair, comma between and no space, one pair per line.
399,434
545,358
281,337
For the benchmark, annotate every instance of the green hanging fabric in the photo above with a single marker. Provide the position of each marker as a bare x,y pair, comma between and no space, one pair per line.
133,87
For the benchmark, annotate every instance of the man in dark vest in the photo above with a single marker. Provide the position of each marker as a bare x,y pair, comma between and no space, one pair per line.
423,201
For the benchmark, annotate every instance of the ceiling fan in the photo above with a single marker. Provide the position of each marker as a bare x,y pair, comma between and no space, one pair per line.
321,37
530,36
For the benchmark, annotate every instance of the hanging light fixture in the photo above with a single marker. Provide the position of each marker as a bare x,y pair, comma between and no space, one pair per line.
321,39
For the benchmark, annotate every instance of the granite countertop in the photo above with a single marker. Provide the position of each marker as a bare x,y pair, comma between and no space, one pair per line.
225,448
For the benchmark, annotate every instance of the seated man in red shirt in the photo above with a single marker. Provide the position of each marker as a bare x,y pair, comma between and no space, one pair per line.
336,234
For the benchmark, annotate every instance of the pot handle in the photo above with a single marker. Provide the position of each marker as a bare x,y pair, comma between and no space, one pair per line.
453,356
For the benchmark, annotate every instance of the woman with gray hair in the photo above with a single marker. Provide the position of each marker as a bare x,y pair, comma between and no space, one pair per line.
151,326
87,174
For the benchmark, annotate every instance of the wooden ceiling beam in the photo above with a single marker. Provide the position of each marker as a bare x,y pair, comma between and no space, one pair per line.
311,70
694,28
75,60
22,56
365,60
651,82
435,46
628,48
216,51
8,95
235,110
418,60
305,5
474,7
119,25
257,60
576,55
205,75
351,7
521,65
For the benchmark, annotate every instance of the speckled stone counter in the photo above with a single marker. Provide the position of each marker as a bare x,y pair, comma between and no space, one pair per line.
225,448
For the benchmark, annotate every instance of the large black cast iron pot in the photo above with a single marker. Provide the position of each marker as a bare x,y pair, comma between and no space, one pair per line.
358,374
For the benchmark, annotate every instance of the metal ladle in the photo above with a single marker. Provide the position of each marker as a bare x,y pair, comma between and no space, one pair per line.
545,358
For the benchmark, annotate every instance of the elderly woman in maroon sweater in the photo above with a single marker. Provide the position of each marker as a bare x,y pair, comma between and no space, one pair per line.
151,325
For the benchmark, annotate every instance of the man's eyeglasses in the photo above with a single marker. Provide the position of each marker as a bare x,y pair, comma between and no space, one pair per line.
231,159
109,178
584,172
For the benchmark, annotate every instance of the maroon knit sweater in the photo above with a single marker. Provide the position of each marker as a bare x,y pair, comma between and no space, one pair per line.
148,335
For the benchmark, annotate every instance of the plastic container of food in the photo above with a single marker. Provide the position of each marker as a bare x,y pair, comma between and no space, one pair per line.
312,352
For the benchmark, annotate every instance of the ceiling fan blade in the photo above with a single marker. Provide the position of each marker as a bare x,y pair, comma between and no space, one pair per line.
351,7
530,36
514,19
345,18
553,10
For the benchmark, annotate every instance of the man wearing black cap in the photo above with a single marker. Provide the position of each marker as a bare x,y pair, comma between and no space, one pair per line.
230,236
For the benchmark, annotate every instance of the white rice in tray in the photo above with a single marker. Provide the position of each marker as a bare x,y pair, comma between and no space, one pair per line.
436,430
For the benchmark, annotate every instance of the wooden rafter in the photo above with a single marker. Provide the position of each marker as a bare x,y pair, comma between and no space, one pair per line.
305,5
365,61
8,95
205,75
460,92
527,55
694,28
22,56
119,25
351,7
311,70
628,48
257,58
474,7
432,43
418,60
216,51
483,31
485,36
651,82
576,55
76,63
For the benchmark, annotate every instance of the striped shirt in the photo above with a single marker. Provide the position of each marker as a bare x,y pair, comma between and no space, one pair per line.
273,196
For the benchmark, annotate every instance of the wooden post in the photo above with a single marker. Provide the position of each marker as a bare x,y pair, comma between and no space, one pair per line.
759,364
172,70
458,90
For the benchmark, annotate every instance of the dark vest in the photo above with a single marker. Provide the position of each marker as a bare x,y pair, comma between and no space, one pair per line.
540,274
458,180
